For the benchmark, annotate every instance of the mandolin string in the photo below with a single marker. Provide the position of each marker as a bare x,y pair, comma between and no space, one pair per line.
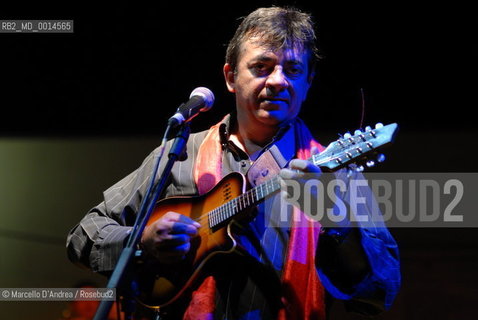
222,207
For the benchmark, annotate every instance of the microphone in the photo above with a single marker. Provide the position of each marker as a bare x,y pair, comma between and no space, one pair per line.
200,100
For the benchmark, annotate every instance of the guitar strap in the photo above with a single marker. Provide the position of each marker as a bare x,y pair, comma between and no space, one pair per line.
263,168
303,294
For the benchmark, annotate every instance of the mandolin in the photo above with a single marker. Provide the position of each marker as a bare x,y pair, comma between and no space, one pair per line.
216,209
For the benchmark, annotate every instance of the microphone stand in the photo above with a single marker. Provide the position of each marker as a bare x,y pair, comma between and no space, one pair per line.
147,205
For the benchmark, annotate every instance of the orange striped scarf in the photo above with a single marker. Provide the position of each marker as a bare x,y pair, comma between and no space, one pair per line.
303,294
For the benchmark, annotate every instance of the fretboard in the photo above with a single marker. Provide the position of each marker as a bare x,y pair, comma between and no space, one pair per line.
248,199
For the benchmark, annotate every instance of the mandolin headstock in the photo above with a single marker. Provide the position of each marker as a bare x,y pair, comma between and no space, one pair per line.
361,148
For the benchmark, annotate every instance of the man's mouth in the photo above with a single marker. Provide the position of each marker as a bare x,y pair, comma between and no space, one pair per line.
273,100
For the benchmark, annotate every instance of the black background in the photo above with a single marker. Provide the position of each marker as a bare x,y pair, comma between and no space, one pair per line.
127,66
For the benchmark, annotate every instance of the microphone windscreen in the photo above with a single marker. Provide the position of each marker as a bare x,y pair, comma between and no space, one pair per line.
206,94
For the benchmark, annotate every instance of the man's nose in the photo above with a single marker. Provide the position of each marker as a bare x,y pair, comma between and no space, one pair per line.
277,81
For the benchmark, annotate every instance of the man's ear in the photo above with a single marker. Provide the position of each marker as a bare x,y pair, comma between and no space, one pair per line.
229,77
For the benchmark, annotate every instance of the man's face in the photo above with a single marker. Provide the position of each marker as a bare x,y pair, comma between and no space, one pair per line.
270,86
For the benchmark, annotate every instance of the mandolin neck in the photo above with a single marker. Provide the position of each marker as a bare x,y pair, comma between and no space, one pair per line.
250,198
247,200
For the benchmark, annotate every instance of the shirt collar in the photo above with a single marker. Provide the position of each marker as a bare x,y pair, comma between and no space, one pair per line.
284,140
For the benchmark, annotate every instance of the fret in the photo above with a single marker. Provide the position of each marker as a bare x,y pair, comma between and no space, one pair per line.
218,217
268,186
236,207
276,183
223,211
221,216
240,203
231,209
227,208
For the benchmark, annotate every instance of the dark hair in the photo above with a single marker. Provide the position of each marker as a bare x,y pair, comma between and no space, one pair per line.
276,28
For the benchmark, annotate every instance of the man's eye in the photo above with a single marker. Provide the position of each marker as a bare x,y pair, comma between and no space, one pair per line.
260,68
294,70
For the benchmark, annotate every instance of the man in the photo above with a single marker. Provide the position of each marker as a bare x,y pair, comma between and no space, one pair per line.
286,272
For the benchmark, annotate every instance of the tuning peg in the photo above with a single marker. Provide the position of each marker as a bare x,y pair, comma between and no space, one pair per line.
347,135
370,163
357,132
379,125
381,157
368,128
360,169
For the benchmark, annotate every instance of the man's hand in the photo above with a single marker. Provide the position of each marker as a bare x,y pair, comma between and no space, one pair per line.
298,173
168,238
297,170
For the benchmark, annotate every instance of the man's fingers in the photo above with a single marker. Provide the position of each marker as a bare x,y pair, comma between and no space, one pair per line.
177,217
168,238
303,165
183,228
188,220
286,174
